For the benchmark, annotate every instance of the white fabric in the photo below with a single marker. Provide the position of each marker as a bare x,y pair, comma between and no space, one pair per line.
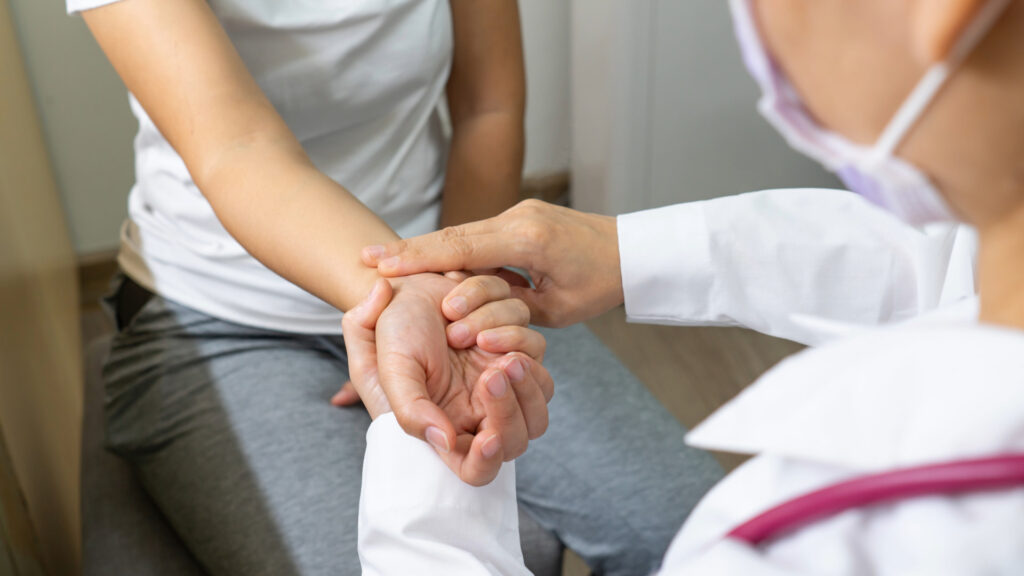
359,83
923,392
801,264
929,390
417,517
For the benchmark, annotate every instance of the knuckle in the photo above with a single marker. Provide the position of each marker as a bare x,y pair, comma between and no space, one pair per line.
462,247
530,235
451,232
475,283
350,323
520,310
541,344
473,291
398,248
494,287
537,232
482,319
517,449
530,206
538,430
405,414
548,388
455,238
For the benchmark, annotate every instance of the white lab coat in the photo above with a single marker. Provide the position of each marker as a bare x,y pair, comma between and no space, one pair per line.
809,265
801,264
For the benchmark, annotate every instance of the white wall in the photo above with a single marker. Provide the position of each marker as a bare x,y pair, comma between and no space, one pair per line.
546,45
664,111
89,129
86,122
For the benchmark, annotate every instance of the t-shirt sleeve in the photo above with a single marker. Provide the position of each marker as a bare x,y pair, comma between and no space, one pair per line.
75,6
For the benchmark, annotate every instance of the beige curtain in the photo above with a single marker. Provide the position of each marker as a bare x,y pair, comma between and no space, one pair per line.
19,552
40,348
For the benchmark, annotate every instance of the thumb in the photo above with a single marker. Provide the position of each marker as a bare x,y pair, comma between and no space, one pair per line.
360,340
403,380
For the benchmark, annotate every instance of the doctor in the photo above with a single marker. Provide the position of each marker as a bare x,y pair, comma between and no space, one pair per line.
901,446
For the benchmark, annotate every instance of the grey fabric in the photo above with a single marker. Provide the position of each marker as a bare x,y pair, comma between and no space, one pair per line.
230,430
122,530
612,476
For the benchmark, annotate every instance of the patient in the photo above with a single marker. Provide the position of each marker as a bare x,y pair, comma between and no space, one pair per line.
887,450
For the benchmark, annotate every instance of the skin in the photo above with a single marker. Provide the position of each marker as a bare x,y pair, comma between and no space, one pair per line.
487,101
970,142
268,194
491,391
572,257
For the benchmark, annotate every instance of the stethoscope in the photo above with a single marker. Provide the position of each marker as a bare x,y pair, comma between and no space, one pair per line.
956,477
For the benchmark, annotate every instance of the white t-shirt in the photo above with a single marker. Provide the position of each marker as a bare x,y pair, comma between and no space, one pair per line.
360,83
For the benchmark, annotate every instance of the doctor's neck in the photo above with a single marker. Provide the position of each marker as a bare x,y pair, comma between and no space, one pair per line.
1001,270
972,145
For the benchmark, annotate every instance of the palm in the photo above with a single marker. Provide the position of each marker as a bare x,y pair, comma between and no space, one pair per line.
411,343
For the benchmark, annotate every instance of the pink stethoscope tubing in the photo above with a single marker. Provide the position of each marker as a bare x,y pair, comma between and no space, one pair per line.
975,475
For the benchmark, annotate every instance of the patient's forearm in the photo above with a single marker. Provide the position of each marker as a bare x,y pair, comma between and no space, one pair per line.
245,160
294,219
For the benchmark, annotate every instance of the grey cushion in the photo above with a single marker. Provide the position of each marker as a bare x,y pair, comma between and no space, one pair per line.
123,532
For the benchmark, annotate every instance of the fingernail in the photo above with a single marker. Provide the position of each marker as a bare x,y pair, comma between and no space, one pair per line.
375,252
437,439
515,370
459,304
491,447
497,385
390,262
459,332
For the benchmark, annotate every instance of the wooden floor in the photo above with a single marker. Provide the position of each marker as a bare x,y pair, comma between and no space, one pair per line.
692,371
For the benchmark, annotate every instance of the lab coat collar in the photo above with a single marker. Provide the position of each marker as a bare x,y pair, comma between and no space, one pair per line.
920,392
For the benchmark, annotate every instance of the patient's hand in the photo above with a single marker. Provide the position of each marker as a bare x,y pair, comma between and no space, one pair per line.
475,389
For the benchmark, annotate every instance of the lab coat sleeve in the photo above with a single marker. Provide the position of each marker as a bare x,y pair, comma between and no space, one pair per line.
417,517
792,263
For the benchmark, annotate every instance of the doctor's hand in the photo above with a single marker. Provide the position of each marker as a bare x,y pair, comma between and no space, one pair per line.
572,258
477,404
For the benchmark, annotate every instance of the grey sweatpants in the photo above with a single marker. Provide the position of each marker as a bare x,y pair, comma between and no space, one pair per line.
232,434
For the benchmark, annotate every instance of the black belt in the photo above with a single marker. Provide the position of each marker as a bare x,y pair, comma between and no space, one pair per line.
130,299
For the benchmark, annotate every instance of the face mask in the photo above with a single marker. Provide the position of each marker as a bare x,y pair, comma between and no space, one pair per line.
871,171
